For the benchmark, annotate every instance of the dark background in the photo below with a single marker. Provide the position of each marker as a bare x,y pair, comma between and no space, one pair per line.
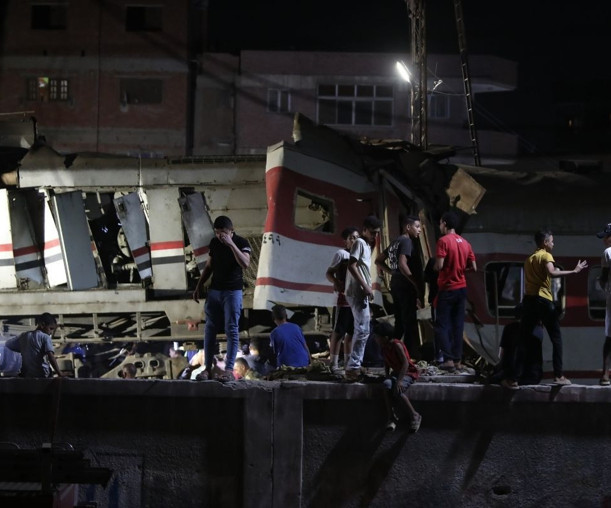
561,48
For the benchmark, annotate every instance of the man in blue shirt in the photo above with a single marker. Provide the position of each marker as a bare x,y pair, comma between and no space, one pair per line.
287,341
36,348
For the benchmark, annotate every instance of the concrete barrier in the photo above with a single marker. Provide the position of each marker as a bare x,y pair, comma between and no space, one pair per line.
290,444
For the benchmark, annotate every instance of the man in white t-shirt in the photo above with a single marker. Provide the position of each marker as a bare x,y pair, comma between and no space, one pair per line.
359,292
605,284
343,322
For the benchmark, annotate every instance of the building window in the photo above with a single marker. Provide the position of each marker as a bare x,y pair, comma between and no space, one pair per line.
597,298
48,16
141,91
438,107
143,18
313,212
45,89
278,101
355,104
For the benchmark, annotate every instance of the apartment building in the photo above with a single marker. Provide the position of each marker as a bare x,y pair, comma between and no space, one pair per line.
130,78
107,76
247,102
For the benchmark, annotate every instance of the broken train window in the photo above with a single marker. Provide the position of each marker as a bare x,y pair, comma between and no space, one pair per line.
313,213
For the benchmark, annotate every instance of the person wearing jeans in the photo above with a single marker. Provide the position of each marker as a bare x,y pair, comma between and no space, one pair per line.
453,257
359,292
449,325
223,308
229,255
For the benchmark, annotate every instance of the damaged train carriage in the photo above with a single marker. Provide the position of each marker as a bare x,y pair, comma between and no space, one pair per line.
114,245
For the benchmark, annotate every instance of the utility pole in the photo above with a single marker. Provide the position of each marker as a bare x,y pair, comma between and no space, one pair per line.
418,102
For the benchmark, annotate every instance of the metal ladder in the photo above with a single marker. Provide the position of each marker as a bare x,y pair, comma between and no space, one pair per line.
462,46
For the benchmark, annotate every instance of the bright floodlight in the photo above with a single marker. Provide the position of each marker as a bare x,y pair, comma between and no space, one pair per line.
404,71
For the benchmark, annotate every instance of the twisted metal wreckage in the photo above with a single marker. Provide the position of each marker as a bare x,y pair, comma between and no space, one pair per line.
114,245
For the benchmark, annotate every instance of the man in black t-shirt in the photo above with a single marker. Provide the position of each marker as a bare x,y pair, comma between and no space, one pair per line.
402,260
229,255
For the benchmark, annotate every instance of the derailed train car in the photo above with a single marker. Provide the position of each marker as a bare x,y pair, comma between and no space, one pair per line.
114,245
119,240
573,203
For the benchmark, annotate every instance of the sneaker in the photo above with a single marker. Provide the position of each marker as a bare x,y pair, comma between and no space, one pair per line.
337,370
415,424
561,381
447,366
509,384
391,425
604,382
352,374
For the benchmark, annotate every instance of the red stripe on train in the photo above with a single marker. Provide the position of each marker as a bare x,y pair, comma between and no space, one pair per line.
200,251
23,251
141,251
300,286
167,245
51,244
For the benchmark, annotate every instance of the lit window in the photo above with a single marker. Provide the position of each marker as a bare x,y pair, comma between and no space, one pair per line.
48,16
141,91
355,104
438,106
45,89
313,212
597,298
143,18
278,101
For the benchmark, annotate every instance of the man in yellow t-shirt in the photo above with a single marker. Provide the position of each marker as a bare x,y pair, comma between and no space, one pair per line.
538,307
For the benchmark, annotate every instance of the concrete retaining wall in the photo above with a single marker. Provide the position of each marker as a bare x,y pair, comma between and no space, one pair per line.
289,444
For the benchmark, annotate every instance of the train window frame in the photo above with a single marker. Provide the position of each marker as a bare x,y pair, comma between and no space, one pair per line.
596,312
316,203
508,310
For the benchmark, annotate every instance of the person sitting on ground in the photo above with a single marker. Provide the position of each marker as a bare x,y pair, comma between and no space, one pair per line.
400,374
256,360
196,369
287,341
36,348
241,369
129,371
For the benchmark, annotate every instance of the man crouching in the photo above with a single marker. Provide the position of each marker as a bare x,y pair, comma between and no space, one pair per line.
400,374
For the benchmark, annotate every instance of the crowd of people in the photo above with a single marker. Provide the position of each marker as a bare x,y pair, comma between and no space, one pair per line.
349,272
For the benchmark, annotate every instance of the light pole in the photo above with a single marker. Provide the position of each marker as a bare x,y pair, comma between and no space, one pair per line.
418,98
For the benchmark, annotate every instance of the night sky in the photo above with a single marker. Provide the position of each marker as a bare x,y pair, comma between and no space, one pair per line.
561,46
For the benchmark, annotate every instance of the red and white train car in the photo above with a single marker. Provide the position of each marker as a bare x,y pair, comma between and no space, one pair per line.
574,206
